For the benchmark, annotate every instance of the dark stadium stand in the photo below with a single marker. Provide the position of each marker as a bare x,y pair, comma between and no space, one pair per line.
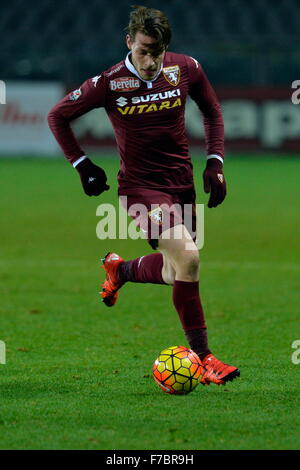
237,41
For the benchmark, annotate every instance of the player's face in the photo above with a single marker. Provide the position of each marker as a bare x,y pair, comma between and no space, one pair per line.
146,60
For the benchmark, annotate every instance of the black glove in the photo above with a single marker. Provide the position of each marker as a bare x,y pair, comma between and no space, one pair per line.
214,182
93,178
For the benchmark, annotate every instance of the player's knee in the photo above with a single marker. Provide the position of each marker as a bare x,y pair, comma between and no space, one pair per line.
183,261
187,265
191,263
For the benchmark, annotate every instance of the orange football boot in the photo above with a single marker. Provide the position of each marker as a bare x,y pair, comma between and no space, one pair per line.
111,285
217,371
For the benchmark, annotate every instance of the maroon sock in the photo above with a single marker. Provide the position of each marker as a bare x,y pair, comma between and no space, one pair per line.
145,269
187,302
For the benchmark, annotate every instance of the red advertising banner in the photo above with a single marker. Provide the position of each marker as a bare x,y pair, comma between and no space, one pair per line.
255,118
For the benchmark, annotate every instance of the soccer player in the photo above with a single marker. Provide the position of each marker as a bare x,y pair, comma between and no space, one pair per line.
144,97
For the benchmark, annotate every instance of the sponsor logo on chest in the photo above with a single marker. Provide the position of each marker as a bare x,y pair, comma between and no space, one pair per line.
156,96
148,103
126,84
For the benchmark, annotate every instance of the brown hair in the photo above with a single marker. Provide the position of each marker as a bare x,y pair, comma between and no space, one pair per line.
151,22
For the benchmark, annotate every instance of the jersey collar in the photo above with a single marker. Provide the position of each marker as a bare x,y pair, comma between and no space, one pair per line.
133,70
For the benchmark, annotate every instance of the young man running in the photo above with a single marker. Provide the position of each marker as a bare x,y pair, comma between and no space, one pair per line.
144,97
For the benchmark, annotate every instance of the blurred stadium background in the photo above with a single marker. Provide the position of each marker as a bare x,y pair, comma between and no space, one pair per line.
249,51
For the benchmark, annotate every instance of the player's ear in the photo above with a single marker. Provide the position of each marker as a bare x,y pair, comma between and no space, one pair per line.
128,41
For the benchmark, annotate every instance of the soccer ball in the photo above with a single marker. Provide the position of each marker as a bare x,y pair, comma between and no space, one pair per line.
177,370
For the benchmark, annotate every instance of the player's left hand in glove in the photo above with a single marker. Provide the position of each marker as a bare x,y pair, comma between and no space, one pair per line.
214,182
93,178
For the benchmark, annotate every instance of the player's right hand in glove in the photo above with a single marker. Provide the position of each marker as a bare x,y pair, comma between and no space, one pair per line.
93,178
214,182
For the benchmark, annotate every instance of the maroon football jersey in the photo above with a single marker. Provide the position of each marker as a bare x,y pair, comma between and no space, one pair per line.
148,121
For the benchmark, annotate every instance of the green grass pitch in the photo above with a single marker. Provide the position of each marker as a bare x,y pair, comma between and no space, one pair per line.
78,374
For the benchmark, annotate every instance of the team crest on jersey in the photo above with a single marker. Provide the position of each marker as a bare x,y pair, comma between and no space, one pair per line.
156,215
74,95
124,84
172,74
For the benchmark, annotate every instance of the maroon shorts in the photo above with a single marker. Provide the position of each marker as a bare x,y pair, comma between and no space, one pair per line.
154,212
